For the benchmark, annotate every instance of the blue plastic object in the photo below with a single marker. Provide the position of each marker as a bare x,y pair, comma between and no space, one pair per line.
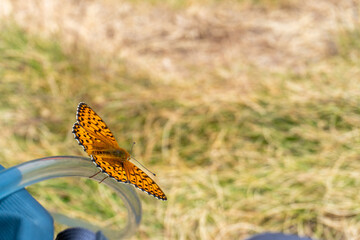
22,217
17,206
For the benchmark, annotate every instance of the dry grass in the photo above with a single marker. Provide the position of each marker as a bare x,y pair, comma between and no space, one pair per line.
248,112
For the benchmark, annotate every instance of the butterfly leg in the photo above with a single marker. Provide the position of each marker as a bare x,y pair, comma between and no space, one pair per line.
103,179
95,174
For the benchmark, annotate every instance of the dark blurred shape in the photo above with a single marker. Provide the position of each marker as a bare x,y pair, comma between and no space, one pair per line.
277,236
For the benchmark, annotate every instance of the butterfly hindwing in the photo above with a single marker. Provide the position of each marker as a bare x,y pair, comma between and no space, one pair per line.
115,170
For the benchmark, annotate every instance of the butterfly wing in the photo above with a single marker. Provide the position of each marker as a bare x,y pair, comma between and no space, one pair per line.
94,125
115,170
127,172
90,142
99,153
142,181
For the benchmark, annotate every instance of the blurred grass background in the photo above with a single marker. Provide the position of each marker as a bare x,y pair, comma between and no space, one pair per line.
248,111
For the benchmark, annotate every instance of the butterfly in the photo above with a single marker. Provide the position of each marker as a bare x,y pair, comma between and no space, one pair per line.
99,143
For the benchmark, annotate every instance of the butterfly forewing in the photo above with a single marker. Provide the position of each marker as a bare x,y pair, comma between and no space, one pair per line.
88,141
142,181
93,123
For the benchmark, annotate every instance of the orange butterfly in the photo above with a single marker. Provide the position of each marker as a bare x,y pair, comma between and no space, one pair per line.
99,143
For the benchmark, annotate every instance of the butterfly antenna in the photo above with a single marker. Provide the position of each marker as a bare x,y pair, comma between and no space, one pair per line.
132,146
143,166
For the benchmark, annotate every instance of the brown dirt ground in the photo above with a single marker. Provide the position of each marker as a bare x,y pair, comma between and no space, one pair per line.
182,42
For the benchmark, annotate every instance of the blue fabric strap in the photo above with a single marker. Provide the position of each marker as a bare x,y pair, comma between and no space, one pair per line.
23,218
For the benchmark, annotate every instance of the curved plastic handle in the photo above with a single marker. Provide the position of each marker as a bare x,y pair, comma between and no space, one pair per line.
25,174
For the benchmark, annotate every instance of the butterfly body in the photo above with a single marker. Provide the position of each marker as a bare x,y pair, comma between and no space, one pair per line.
120,154
99,143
